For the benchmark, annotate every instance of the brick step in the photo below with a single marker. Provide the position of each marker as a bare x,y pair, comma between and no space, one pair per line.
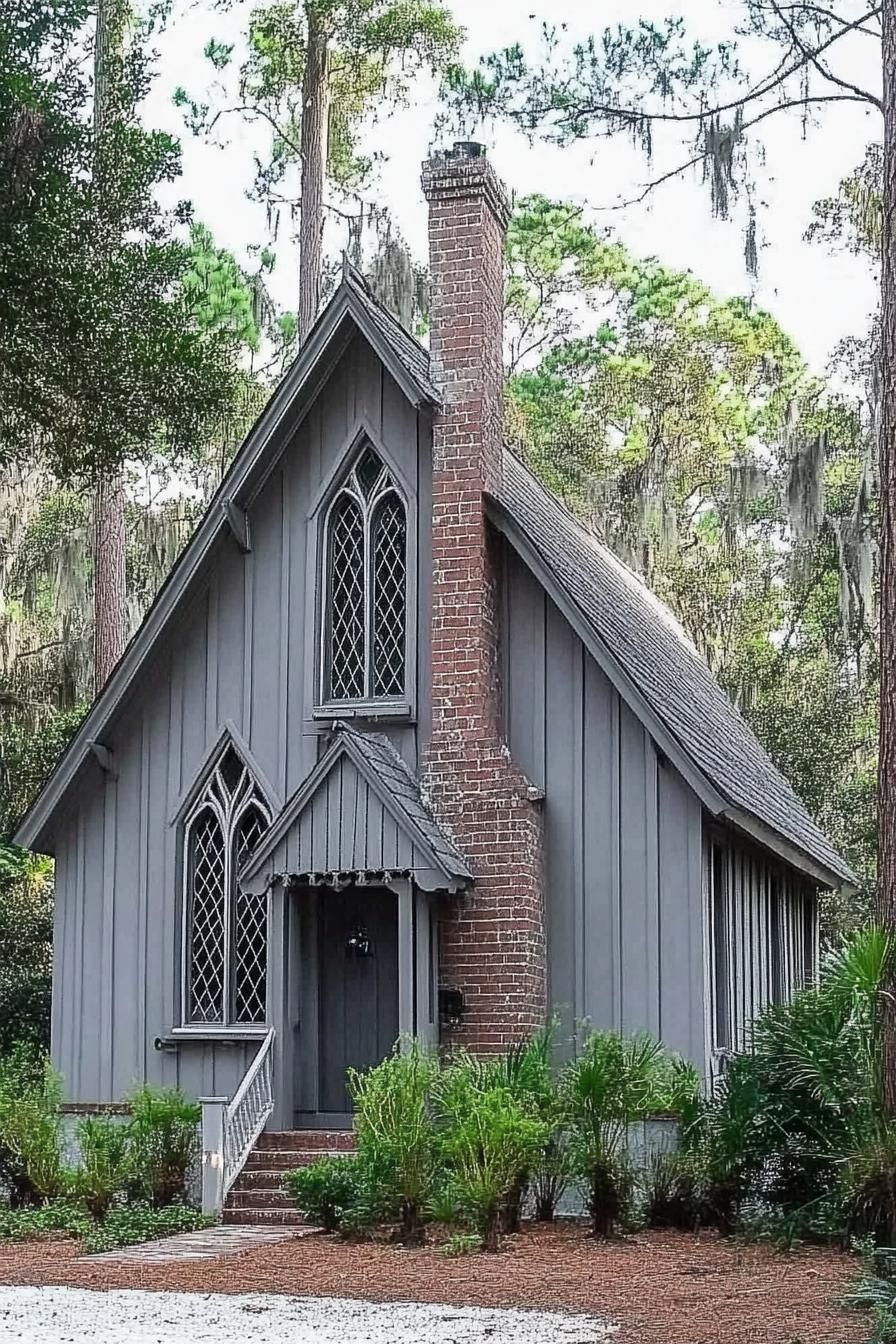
307,1140
259,1199
262,1179
262,1217
272,1160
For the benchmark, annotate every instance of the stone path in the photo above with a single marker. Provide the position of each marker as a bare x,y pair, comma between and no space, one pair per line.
74,1315
203,1245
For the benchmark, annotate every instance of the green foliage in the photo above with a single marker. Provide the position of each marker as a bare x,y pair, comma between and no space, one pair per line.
164,1141
394,1128
26,947
327,1191
614,1082
105,1165
876,1292
489,1142
63,1218
688,432
795,1125
30,1128
107,310
141,1222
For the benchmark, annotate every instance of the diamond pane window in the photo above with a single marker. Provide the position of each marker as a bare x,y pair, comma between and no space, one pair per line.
225,973
365,616
389,602
347,599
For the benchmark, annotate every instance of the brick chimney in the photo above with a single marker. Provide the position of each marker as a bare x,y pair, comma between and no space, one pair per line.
493,944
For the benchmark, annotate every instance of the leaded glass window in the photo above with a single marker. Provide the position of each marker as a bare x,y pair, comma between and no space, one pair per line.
365,617
226,936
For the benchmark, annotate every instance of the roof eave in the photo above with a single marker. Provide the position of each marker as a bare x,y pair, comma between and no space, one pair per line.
305,378
778,844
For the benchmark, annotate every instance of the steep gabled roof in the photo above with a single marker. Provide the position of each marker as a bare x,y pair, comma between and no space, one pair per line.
350,309
633,635
353,844
643,641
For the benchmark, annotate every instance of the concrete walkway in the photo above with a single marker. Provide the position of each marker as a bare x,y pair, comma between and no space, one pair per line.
73,1315
202,1245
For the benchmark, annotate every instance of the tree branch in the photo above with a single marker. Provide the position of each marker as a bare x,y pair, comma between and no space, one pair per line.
813,57
748,125
765,86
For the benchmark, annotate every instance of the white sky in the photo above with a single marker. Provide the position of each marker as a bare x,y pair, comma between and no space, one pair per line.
818,298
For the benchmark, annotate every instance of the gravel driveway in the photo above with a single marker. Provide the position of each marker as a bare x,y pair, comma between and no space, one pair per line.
73,1315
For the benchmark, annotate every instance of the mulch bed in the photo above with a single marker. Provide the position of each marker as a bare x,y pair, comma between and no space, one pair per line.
662,1287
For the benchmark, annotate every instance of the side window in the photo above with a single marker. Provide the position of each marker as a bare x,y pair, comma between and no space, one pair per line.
364,611
226,936
721,961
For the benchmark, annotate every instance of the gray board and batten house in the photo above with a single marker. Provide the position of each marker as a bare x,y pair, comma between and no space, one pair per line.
401,748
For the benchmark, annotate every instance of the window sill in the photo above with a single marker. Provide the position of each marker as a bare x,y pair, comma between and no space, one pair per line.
364,709
222,1035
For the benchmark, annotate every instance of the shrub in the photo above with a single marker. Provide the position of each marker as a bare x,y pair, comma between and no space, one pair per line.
876,1293
614,1082
673,1191
551,1174
141,1222
20,1071
489,1143
61,1218
869,1181
326,1191
794,1123
106,1156
30,1135
395,1132
164,1140
26,947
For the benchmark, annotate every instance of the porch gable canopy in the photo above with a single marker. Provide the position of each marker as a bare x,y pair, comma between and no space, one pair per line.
358,816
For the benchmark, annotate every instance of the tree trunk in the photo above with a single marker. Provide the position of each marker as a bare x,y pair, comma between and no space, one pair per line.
109,588
315,116
109,583
886,882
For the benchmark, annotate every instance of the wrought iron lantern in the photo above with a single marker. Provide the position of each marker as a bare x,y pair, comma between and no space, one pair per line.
358,943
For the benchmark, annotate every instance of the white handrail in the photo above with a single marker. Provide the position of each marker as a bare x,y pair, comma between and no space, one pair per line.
247,1113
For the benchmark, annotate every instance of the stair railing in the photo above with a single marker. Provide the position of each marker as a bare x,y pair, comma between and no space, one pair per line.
230,1128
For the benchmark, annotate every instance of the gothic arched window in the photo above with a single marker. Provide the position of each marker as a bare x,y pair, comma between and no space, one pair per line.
365,589
226,929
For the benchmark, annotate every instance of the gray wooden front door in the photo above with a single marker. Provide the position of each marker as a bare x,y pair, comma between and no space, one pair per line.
358,994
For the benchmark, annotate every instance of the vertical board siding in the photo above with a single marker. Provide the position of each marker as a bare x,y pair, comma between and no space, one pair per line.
764,900
242,651
623,836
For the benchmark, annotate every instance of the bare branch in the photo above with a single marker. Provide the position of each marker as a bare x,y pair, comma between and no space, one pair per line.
748,125
814,59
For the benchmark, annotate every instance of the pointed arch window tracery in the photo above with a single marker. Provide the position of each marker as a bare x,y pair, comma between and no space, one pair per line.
225,929
364,621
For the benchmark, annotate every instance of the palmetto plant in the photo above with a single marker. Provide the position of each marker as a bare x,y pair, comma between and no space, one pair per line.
614,1082
489,1142
395,1130
105,1163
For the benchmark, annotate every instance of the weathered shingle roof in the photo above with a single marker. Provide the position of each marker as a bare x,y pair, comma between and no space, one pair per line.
403,787
413,355
654,651
437,862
